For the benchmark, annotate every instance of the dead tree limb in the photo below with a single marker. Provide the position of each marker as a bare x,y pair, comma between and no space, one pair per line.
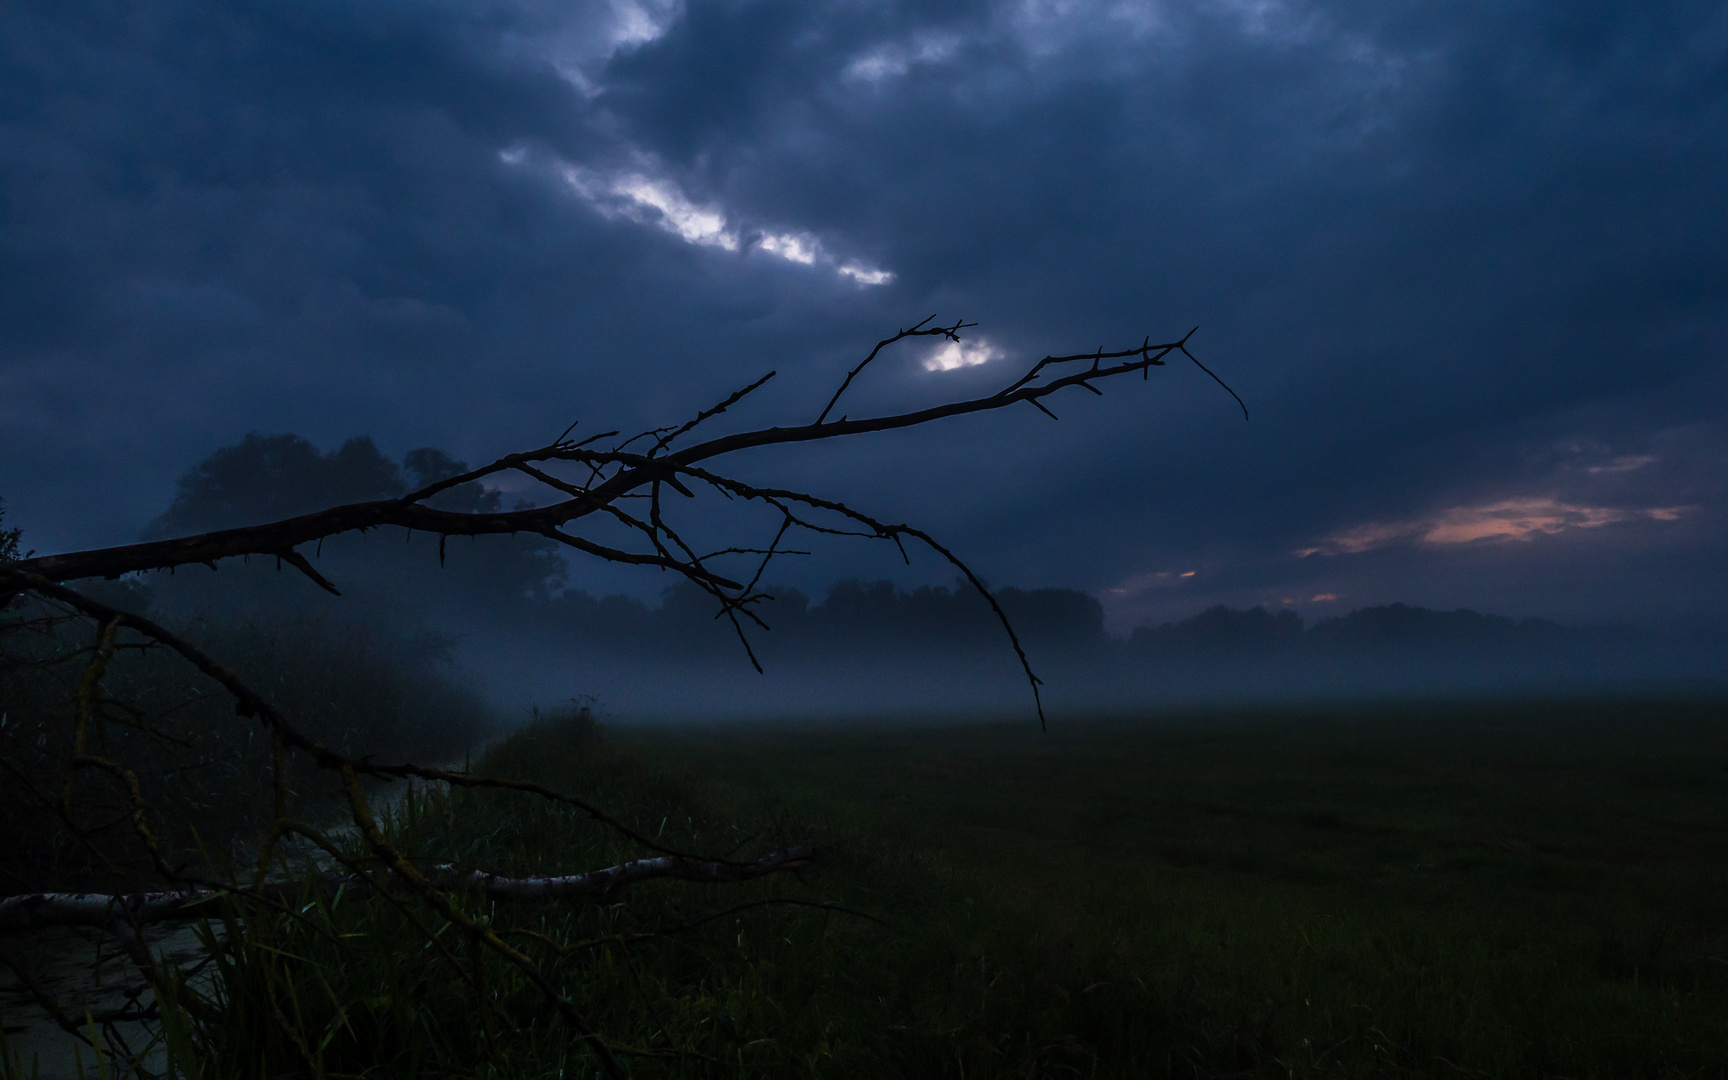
30,912
615,481
613,476
633,472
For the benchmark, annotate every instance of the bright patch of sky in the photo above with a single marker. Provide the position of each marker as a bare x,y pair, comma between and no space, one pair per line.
807,250
792,248
1627,463
677,214
1144,583
649,200
1510,519
636,22
865,275
643,199
894,60
951,355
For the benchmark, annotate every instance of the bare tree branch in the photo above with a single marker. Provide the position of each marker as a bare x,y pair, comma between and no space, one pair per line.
737,396
410,512
952,333
620,473
30,912
614,475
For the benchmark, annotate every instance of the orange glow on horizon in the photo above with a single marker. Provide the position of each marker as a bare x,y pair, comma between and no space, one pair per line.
1507,520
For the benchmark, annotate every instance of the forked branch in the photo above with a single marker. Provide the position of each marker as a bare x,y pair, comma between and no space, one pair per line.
616,474
615,480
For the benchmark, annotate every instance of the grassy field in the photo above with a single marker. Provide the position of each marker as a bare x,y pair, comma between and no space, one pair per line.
1531,890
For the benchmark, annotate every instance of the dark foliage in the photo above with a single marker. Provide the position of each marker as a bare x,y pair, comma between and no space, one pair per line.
855,618
9,539
269,477
1391,626
204,772
1403,625
1222,628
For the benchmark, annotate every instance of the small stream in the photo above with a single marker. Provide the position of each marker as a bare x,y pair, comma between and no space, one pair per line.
82,968
85,968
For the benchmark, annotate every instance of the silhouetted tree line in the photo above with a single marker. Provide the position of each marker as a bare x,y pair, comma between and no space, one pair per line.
1059,623
1390,626
521,582
876,618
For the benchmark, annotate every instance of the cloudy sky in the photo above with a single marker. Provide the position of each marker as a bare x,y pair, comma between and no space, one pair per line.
1467,264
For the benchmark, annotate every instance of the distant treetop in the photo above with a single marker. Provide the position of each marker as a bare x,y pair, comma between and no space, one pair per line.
265,478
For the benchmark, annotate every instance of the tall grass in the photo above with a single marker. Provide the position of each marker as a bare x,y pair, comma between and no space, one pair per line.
204,772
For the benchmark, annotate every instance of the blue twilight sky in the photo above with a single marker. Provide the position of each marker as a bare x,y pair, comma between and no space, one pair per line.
1467,263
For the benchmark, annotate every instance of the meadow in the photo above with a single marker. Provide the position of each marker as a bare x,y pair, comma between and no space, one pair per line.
1494,889
1466,889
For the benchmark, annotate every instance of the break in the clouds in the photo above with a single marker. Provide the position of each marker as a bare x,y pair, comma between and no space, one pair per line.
1513,519
644,199
950,355
1466,264
895,59
647,199
1585,487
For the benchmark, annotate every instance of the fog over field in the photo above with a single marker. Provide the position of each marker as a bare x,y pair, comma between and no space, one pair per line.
506,613
927,679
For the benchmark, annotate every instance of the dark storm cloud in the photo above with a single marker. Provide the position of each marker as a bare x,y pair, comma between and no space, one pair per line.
1456,257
